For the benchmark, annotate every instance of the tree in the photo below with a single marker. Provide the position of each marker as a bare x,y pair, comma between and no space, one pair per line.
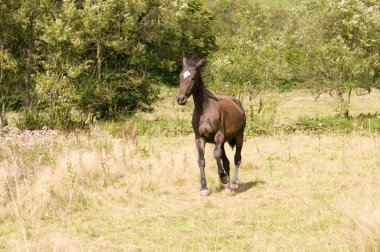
59,66
8,60
135,44
26,18
68,62
343,56
250,56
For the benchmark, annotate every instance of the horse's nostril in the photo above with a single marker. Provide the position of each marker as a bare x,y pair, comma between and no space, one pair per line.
181,99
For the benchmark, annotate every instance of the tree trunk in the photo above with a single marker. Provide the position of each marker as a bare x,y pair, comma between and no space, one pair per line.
3,118
343,104
99,78
29,64
261,106
346,113
349,95
98,63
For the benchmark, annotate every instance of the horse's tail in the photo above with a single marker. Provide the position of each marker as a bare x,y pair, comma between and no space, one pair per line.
232,143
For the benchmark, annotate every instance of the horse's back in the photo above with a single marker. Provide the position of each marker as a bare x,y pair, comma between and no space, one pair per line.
232,105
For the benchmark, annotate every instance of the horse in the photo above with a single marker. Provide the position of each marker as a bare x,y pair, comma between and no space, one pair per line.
216,119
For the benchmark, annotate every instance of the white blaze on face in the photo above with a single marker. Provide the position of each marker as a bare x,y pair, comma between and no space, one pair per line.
186,74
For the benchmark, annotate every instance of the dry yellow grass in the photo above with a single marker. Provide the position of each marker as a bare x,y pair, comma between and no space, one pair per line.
297,192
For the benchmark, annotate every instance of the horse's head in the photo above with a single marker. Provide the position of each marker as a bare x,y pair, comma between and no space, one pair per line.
188,79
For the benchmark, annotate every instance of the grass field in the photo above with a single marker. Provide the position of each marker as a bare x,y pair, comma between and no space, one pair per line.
91,191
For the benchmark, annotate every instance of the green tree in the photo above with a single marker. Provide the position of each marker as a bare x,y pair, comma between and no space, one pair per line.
343,56
135,44
68,62
26,18
250,56
7,60
56,91
165,31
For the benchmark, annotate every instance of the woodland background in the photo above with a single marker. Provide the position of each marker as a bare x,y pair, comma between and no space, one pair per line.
64,64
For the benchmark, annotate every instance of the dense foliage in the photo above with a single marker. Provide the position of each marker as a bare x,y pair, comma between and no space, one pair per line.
341,44
64,63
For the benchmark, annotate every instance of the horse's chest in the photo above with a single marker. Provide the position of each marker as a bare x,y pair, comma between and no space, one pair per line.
207,129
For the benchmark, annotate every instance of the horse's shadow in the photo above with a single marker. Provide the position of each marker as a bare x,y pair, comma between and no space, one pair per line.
248,185
243,187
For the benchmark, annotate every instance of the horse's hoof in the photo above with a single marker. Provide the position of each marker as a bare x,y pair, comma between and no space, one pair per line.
225,179
205,192
235,185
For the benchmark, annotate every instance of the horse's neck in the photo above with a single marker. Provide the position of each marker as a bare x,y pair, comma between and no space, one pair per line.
201,97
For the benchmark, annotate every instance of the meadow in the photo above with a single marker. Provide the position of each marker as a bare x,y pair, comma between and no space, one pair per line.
121,187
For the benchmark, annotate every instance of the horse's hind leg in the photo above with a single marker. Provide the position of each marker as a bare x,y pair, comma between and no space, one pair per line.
237,159
226,163
218,153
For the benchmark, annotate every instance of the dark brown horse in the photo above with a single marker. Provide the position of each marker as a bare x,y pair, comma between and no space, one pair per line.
216,119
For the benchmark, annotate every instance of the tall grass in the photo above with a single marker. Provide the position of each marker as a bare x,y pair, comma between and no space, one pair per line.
92,191
135,185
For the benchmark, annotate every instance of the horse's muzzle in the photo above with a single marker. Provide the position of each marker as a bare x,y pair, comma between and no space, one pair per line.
181,99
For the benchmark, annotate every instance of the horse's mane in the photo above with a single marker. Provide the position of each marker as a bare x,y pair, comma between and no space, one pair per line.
211,95
192,63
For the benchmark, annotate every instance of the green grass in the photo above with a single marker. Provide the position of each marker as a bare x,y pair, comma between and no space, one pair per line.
338,124
285,112
281,4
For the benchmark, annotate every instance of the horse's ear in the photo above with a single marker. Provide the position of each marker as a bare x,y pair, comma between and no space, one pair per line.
184,61
200,63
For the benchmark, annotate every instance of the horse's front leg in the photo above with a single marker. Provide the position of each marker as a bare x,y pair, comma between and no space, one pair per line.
237,159
200,143
218,153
